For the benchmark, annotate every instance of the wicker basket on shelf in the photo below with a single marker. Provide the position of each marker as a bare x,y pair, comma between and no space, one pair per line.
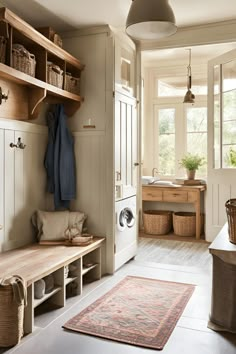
230,206
157,222
23,60
184,223
12,302
72,84
54,75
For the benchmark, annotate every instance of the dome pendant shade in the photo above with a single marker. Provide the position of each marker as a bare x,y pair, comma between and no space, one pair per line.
150,20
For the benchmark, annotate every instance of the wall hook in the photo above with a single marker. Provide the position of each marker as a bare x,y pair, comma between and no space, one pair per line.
3,96
18,145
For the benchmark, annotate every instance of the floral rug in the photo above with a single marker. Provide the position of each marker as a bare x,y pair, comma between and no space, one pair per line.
137,311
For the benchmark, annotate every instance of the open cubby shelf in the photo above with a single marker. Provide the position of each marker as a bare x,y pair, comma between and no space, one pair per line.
18,31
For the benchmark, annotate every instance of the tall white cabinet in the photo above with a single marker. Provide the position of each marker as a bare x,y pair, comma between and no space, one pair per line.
105,129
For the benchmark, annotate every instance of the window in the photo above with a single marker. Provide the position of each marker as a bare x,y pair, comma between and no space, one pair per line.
179,129
166,140
225,115
197,134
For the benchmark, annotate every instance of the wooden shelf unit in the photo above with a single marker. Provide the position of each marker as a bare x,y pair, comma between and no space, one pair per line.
44,51
36,261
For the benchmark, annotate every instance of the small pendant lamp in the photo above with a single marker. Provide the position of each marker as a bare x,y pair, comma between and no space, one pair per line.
150,20
189,96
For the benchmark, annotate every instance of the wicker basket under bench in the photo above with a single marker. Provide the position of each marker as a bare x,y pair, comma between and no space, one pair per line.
36,261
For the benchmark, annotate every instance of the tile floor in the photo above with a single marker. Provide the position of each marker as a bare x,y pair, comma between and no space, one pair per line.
190,335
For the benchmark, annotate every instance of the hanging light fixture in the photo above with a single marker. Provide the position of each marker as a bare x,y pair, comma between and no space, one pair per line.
189,96
150,20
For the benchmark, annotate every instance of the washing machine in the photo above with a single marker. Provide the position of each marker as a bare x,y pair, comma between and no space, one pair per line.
125,231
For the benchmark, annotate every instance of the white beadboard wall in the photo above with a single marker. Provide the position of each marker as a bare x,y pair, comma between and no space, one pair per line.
22,181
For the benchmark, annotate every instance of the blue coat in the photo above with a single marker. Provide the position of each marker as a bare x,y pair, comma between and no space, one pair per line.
60,159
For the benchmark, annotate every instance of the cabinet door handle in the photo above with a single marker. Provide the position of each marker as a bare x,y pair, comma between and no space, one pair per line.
118,176
136,164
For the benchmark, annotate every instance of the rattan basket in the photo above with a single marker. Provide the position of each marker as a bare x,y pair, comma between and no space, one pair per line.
12,302
230,206
72,84
157,222
23,60
54,75
184,223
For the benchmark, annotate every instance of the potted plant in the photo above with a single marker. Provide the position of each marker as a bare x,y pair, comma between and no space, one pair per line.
231,158
192,163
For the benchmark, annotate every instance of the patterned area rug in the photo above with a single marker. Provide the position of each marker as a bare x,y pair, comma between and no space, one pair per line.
138,311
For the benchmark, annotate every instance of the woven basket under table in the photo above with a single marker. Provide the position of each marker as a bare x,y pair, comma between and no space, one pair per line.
157,222
184,223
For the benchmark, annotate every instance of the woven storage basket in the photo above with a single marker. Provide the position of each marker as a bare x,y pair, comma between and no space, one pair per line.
3,43
54,75
12,301
184,223
230,206
157,222
23,60
72,84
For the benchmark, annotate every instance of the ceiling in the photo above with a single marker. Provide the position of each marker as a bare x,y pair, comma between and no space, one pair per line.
64,15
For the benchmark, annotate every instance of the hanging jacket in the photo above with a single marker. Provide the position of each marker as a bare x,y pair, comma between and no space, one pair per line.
60,159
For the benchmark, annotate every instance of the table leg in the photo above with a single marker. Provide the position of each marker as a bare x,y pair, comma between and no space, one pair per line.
198,216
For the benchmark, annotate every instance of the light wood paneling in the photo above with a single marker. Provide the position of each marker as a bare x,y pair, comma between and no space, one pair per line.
16,106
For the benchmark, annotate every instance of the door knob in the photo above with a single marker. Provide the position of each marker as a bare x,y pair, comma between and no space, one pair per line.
136,164
1,227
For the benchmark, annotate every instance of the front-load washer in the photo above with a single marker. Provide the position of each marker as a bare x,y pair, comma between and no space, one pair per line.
125,231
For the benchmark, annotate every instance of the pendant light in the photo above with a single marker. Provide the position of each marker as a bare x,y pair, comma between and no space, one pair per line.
189,96
150,20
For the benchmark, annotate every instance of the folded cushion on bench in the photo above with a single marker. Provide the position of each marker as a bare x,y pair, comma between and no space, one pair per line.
52,225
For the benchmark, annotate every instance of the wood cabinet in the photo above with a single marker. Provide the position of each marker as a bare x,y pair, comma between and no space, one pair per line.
179,194
36,89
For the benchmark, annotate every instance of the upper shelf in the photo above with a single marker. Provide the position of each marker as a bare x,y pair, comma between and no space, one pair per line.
31,33
45,51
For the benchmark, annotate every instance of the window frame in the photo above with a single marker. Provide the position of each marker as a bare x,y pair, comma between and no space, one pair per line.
180,132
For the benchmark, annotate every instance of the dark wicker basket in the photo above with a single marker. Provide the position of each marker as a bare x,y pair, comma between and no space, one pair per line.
230,206
157,222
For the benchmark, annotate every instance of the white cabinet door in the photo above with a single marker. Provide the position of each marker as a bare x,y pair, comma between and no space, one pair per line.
221,140
126,147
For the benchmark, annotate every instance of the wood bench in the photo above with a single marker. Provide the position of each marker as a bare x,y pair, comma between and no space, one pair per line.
36,261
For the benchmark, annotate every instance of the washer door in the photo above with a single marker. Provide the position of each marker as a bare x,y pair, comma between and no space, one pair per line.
126,219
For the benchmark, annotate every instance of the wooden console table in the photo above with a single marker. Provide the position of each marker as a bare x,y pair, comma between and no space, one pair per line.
223,300
178,194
